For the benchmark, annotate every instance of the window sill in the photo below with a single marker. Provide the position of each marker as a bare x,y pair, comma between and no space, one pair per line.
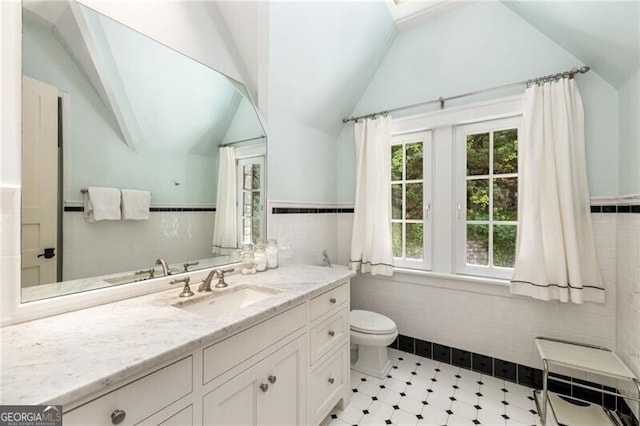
459,282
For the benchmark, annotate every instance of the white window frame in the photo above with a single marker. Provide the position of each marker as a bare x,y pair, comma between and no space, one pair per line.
460,137
427,181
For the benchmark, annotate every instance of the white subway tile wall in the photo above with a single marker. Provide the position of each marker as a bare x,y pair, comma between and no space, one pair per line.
496,324
345,227
628,308
105,247
303,237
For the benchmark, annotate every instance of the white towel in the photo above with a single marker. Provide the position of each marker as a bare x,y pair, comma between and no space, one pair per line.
135,204
102,204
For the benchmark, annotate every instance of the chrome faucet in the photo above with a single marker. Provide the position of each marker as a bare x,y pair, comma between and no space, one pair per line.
215,273
165,269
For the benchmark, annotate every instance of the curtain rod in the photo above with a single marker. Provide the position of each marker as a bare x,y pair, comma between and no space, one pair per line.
243,140
441,100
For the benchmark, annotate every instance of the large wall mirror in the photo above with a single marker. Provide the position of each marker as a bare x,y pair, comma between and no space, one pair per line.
104,106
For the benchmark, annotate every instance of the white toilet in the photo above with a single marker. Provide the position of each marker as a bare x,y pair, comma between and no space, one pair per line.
372,333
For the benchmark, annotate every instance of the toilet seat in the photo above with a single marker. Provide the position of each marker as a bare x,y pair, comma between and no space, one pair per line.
368,322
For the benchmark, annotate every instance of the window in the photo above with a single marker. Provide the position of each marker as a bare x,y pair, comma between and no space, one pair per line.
411,200
487,181
454,184
250,199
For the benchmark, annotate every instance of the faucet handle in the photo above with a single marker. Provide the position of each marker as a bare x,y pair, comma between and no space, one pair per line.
187,264
186,291
149,271
185,280
221,282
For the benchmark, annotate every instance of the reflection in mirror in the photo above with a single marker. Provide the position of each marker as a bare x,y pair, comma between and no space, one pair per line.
104,106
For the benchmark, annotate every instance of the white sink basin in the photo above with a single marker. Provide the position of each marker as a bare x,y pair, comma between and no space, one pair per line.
227,301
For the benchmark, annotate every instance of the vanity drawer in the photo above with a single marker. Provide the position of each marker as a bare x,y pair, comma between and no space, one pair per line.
230,352
326,385
322,304
328,334
139,399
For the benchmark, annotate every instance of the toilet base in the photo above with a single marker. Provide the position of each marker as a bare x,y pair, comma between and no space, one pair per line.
373,361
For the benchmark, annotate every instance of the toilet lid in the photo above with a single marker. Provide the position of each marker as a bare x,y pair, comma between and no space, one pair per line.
371,323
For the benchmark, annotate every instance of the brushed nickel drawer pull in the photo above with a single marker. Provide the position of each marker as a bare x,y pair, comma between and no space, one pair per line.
331,380
118,416
333,300
264,387
332,333
272,379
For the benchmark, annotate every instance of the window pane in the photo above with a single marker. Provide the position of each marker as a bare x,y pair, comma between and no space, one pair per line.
414,161
505,199
247,172
255,204
505,151
246,231
504,245
415,245
255,231
414,201
396,232
396,201
256,176
396,162
478,244
478,154
478,199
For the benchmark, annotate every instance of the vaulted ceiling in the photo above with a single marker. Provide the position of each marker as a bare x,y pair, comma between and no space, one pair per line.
603,34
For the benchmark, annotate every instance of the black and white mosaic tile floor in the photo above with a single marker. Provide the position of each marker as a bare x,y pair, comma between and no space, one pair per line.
421,391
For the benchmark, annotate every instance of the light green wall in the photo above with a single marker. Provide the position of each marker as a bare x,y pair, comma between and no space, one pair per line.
629,96
321,56
99,155
475,47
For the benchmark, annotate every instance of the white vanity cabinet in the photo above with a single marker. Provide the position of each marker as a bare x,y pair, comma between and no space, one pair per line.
257,376
290,369
268,393
329,378
164,392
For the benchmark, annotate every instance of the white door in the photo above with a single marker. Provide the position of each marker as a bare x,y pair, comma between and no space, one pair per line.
39,181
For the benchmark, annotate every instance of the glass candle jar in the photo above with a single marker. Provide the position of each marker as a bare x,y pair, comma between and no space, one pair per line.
260,258
272,254
246,255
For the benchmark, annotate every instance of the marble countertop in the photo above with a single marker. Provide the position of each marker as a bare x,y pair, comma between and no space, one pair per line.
59,359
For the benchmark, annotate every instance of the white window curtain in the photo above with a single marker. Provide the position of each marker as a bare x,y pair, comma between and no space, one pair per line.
555,254
371,249
225,226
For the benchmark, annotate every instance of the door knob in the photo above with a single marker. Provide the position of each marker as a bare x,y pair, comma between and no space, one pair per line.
48,253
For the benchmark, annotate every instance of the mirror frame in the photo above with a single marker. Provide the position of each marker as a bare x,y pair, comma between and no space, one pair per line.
12,310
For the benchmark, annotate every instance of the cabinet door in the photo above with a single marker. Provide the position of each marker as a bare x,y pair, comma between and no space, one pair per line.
269,393
283,401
